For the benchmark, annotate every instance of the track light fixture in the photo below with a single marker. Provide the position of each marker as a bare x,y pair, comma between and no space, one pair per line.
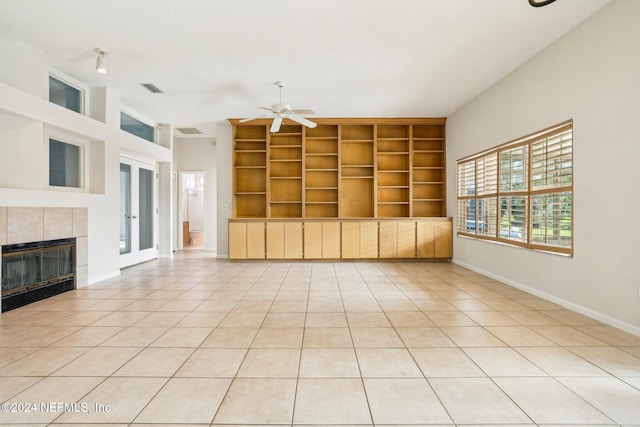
101,63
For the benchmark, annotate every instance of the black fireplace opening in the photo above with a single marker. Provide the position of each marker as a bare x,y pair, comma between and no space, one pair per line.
37,270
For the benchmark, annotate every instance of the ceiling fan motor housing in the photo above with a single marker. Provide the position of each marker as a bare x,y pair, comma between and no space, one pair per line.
280,107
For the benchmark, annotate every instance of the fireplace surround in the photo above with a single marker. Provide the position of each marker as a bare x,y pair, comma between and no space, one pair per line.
26,225
37,270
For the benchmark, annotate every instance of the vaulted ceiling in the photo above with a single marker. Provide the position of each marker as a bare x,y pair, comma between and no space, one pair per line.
216,59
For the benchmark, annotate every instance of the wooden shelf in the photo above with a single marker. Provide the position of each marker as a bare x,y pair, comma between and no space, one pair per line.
342,168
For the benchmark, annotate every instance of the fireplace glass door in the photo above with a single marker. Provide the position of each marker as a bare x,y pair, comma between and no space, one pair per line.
138,212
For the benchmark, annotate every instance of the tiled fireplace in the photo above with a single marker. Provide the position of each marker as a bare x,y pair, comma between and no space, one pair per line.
44,252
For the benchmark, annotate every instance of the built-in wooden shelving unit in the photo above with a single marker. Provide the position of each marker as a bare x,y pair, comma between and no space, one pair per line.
338,178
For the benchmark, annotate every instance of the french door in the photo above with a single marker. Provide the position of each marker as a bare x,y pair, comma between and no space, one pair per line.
138,212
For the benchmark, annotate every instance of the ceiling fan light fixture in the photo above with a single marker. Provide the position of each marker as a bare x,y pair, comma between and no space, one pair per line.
102,65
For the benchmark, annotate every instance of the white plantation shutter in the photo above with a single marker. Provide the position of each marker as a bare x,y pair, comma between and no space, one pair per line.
521,192
487,216
552,161
551,219
467,179
513,169
487,175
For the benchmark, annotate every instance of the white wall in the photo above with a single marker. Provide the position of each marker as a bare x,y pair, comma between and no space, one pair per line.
199,154
225,196
27,119
591,75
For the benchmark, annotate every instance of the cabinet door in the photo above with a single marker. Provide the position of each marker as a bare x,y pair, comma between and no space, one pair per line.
237,240
331,240
406,239
293,240
350,240
275,240
388,239
425,234
312,240
443,240
368,239
255,240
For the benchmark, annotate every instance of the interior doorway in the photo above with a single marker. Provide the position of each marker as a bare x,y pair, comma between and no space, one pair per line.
192,210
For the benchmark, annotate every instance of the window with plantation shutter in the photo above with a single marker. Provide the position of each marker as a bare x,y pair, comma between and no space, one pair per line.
487,176
521,192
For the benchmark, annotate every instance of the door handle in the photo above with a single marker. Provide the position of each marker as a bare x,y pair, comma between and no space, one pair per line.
134,217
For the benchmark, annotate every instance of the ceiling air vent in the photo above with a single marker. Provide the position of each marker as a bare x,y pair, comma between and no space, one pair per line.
151,87
190,131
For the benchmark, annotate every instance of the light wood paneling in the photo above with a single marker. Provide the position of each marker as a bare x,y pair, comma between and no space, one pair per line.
443,240
255,240
406,239
426,239
331,240
351,240
275,240
389,239
313,240
293,240
340,239
368,239
237,240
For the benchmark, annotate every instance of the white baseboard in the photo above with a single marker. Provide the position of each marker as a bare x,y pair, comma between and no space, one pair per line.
222,256
611,321
95,280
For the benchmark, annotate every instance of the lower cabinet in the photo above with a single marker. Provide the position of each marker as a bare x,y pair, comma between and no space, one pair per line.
321,240
284,240
435,239
247,240
424,238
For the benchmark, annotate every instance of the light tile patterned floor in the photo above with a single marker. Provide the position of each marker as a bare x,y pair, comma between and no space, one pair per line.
198,341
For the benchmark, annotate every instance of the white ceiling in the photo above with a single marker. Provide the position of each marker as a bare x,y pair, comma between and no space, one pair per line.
216,59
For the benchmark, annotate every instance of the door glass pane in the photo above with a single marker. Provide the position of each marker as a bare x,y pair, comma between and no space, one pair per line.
146,209
125,208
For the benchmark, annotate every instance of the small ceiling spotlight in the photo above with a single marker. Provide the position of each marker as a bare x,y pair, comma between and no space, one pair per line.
101,64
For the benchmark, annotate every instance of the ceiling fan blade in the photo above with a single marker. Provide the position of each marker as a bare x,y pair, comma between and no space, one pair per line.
302,121
266,116
303,111
275,126
265,108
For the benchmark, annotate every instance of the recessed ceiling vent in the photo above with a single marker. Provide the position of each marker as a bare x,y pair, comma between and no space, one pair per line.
190,131
151,87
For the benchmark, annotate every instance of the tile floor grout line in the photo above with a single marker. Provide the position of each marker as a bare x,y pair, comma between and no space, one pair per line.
304,328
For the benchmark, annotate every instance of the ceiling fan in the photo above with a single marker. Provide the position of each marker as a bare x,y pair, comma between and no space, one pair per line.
282,111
